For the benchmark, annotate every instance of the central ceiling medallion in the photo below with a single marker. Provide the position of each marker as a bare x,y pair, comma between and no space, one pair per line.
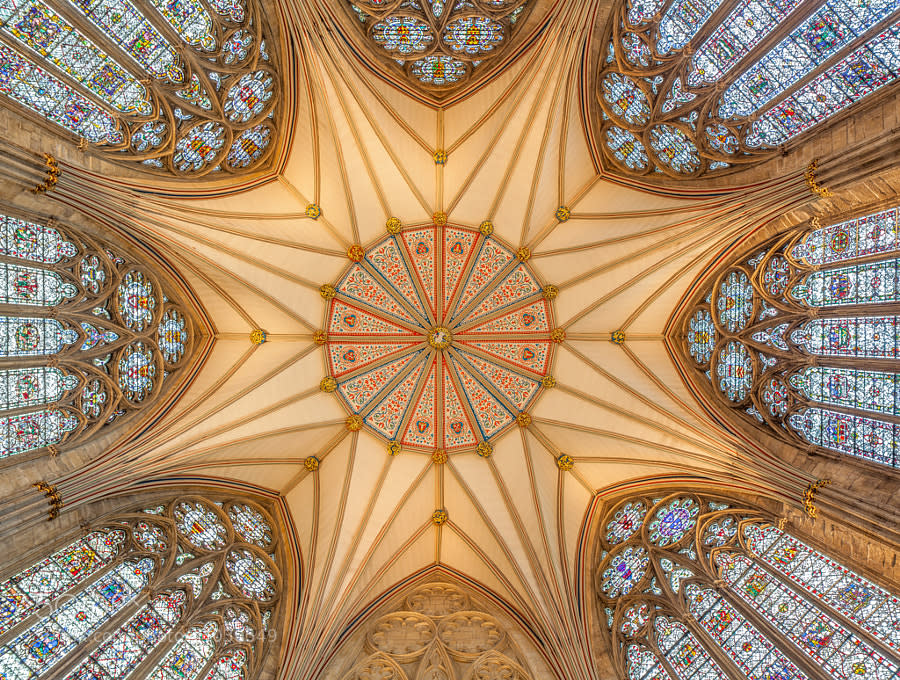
438,338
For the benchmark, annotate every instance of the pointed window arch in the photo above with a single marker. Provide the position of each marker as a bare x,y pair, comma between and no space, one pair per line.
185,88
801,337
692,87
182,590
438,44
697,587
88,335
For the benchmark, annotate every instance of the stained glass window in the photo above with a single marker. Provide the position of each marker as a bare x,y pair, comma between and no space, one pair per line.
103,71
96,330
124,566
763,605
776,331
438,45
780,67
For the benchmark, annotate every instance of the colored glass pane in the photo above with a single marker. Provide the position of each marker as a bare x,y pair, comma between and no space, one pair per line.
250,573
853,388
249,96
869,337
719,532
641,11
404,35
735,301
674,148
814,632
250,525
136,300
627,101
681,21
873,282
774,396
199,147
197,578
684,652
230,667
776,275
672,521
22,285
701,336
734,370
189,655
21,387
42,583
747,647
30,431
473,35
172,336
29,241
635,618
24,336
627,148
625,570
200,525
860,600
643,665
869,235
635,50
867,438
137,370
150,537
190,20
249,146
626,522
438,70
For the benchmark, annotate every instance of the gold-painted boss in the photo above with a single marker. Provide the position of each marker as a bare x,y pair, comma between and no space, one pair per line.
486,228
548,381
439,218
439,517
311,463
257,336
320,337
563,213
393,226
354,423
327,291
523,253
617,337
558,335
565,462
394,449
356,252
313,211
440,157
328,384
484,450
439,456
523,419
550,292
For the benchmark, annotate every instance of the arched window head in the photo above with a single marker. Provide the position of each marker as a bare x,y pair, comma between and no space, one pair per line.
185,589
89,335
186,88
438,44
801,337
695,587
696,87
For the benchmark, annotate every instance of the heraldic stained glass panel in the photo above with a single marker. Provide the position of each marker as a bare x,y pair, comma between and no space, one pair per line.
116,598
780,67
174,88
753,602
800,336
88,338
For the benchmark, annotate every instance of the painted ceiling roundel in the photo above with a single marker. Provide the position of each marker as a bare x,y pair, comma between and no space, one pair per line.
439,337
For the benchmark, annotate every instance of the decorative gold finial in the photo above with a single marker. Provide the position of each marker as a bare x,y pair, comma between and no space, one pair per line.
440,157
439,517
327,291
354,422
550,292
523,253
810,495
313,211
356,252
812,180
486,228
565,462
548,382
439,456
394,449
816,222
782,521
558,335
258,336
53,450
563,213
311,463
82,144
51,176
439,218
484,449
523,419
53,498
320,337
393,226
328,384
617,337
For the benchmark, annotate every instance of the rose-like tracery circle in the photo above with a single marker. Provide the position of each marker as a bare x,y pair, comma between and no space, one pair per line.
438,338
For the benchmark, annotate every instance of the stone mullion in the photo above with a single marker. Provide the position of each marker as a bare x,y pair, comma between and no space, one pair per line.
378,398
534,297
487,384
815,73
854,627
374,311
417,393
398,295
711,647
414,277
467,407
489,288
381,362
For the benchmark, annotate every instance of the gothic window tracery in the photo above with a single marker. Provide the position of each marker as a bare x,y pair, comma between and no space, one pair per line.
141,595
185,87
88,336
688,88
438,44
696,587
800,337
